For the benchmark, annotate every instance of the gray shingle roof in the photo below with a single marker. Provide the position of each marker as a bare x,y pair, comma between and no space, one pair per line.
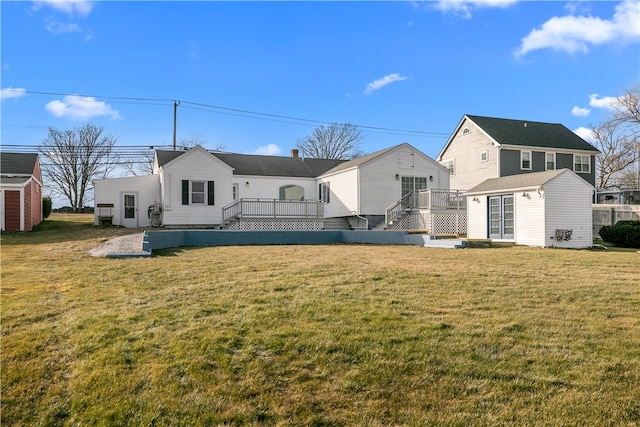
250,164
525,180
531,134
17,163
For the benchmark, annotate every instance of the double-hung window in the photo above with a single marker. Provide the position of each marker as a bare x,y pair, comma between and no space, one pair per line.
582,163
525,160
550,161
451,165
324,192
198,192
484,156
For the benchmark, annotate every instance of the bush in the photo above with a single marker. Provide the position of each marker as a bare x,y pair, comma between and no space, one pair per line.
46,207
622,233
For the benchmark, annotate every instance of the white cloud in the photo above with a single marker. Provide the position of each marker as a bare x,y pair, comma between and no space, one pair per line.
70,7
573,34
56,27
268,150
464,8
580,112
11,92
608,102
81,107
380,83
585,133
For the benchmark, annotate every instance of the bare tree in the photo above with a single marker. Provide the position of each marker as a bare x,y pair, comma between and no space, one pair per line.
618,139
335,141
73,158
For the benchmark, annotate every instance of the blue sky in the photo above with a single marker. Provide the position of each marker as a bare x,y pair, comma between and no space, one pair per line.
254,77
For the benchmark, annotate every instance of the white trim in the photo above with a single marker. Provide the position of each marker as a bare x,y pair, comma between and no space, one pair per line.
546,162
530,160
588,163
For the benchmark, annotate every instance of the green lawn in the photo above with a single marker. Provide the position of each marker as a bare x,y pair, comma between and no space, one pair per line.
315,335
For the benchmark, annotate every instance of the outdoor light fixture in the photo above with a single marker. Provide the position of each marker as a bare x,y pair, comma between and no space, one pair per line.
525,194
475,199
431,178
397,176
246,184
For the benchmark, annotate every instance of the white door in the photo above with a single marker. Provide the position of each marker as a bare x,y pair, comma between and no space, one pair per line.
130,210
501,217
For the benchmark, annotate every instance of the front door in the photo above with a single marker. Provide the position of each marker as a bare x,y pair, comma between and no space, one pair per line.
501,217
130,214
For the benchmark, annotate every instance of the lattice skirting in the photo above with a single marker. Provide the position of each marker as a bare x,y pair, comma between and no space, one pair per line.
434,222
276,225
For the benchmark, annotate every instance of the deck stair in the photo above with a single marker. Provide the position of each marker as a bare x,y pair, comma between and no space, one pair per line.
336,224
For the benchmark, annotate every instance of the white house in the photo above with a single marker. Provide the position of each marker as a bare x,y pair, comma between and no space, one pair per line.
197,188
547,209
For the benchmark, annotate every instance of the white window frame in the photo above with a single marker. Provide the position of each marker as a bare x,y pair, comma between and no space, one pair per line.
325,191
466,131
579,163
546,161
235,191
195,195
522,160
450,164
484,156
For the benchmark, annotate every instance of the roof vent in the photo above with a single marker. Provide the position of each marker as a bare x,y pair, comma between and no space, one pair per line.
525,124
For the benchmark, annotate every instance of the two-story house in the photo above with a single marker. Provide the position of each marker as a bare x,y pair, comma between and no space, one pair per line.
482,148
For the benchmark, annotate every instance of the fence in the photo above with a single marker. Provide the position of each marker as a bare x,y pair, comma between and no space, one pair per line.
608,214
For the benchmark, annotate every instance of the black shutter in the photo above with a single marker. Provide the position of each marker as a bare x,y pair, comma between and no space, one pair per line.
185,192
210,193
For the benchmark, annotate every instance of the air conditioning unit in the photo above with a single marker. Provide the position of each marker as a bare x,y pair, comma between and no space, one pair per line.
563,234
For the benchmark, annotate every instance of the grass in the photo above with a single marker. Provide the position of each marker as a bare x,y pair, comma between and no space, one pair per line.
315,335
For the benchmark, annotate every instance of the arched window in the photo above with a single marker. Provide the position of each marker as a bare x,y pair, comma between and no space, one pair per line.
291,192
466,131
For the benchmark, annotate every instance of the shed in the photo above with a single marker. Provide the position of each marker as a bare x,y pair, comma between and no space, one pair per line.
20,191
546,209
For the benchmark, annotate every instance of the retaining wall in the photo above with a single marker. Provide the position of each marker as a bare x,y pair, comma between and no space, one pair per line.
164,239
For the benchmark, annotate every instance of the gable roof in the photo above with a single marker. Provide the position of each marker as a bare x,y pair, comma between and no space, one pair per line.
251,164
17,163
525,180
361,160
526,133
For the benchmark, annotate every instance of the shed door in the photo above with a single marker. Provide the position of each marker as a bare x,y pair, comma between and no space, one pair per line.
501,217
129,218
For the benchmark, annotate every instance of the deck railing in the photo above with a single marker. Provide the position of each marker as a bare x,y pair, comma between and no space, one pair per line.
426,199
273,208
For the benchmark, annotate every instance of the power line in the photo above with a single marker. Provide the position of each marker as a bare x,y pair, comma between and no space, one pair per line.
237,111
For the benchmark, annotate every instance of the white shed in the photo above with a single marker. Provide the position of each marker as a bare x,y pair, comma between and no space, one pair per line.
547,209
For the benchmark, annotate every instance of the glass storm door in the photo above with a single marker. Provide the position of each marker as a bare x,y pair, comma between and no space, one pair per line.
501,217
129,218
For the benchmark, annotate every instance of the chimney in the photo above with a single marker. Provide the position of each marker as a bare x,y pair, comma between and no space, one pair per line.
294,153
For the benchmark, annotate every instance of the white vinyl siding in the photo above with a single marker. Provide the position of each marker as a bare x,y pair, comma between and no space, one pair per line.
569,206
465,149
195,165
110,190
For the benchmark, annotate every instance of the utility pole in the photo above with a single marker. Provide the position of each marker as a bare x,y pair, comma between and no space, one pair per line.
175,114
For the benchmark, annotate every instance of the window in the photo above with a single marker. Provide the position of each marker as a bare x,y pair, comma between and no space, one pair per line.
450,164
484,156
413,183
236,190
525,160
196,192
323,192
466,131
291,192
550,161
581,163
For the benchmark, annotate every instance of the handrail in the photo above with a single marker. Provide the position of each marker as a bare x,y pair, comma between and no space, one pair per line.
426,199
272,208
